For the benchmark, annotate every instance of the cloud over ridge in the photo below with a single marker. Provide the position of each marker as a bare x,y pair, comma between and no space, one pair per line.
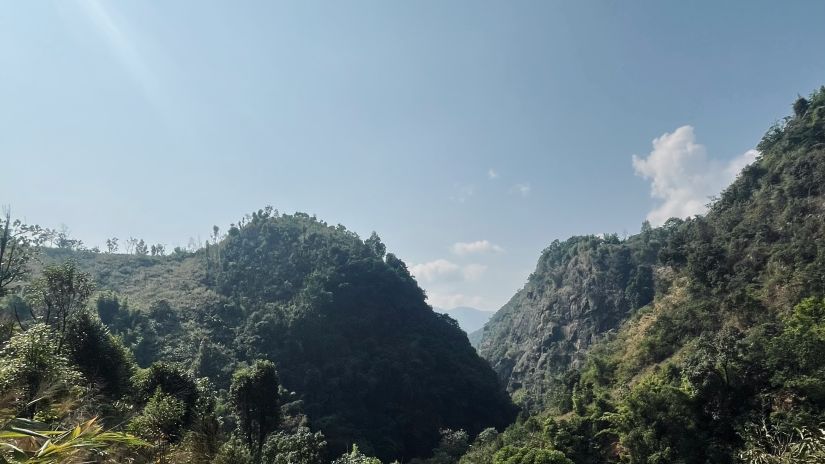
683,176
442,270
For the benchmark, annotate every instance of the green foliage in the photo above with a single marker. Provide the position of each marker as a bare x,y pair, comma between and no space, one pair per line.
14,314
300,447
374,243
800,107
58,294
172,390
234,451
452,446
529,455
30,366
206,433
135,330
767,445
99,355
584,439
368,361
27,442
352,334
586,286
213,361
796,359
658,425
481,450
356,457
141,248
19,243
108,307
162,419
254,395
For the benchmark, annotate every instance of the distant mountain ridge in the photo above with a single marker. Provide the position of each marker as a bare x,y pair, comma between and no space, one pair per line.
469,319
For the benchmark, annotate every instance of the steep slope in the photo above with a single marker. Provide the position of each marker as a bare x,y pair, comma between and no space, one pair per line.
726,357
346,324
581,289
475,337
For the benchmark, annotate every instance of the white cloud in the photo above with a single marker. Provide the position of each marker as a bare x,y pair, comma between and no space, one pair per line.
453,300
492,174
736,165
479,246
473,271
442,270
522,189
682,175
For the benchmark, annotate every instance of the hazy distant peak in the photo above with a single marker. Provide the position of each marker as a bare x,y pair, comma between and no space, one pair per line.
469,319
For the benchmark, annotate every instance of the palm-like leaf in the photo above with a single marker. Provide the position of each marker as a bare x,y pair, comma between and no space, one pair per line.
33,445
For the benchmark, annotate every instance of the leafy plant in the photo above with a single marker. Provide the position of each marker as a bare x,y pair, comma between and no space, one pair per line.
768,445
23,441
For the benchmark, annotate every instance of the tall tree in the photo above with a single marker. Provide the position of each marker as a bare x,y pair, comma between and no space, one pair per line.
111,244
141,248
58,294
374,243
18,244
130,244
64,240
254,394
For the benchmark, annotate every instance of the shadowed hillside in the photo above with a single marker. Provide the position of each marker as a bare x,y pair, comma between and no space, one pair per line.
345,323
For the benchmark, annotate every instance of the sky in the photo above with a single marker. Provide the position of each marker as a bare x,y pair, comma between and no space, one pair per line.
469,135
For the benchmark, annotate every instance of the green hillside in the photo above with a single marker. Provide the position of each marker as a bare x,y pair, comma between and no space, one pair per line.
361,356
697,342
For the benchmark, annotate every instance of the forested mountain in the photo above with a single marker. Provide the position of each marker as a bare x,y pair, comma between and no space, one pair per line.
362,358
349,329
697,342
582,289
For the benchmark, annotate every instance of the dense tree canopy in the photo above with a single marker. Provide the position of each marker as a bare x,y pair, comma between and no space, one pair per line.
365,360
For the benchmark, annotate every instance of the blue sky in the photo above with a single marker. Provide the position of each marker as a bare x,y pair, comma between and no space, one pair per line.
469,135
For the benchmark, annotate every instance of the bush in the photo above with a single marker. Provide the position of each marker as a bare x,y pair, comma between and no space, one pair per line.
301,447
233,451
171,380
30,365
99,356
529,455
162,419
355,457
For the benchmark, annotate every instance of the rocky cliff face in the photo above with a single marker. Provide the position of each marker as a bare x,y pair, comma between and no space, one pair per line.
759,248
582,288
